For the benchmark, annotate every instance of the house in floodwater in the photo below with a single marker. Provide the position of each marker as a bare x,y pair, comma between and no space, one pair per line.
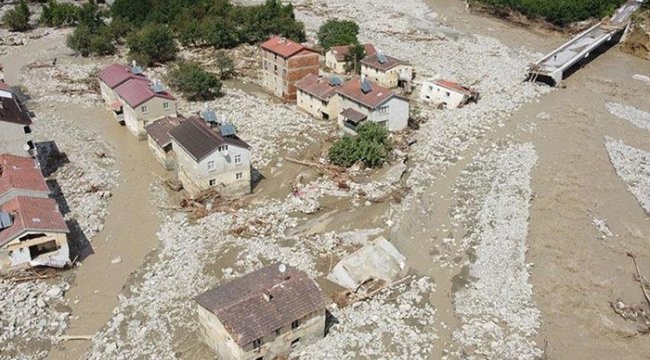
262,315
387,71
21,176
160,142
284,63
447,94
15,124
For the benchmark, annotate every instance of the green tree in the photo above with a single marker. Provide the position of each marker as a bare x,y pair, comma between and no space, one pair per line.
225,64
194,82
221,33
17,19
371,146
59,14
353,59
133,11
119,29
102,42
151,44
80,40
344,152
338,32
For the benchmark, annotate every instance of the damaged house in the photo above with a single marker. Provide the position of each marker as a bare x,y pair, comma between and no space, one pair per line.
335,57
317,96
262,315
209,155
284,63
160,142
21,176
387,71
15,124
447,94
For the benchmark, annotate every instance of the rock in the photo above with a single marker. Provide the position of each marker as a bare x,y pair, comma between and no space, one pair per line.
55,292
40,303
116,260
394,174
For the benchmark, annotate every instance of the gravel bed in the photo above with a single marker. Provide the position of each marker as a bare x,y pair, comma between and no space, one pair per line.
633,167
638,118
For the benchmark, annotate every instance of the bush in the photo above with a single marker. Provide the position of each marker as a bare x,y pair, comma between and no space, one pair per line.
102,42
226,65
80,40
371,146
194,82
338,32
153,43
17,19
59,14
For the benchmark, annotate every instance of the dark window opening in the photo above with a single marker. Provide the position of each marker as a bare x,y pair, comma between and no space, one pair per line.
295,342
27,130
295,324
40,249
257,343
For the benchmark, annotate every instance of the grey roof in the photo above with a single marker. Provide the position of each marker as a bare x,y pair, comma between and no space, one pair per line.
353,115
242,307
209,116
159,129
199,140
227,129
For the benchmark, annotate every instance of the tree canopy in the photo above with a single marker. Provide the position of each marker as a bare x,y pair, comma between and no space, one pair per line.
338,32
194,82
371,146
17,19
151,44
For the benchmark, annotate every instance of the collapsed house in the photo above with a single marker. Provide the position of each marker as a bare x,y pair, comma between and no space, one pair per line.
447,94
336,56
262,315
373,266
15,124
160,142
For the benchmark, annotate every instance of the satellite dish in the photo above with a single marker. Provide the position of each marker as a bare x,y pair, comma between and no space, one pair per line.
26,147
282,268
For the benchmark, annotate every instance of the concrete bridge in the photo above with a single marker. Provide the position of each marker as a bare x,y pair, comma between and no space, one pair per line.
568,58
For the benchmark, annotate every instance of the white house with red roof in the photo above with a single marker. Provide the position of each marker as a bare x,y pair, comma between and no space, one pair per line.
284,63
361,100
21,176
447,94
317,96
115,75
33,233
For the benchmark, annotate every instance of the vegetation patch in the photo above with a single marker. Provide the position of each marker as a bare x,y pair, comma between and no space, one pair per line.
371,146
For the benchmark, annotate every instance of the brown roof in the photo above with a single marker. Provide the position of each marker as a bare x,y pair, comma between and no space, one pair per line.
116,74
12,111
377,96
283,47
455,86
373,62
32,214
340,51
243,309
317,86
138,91
24,173
159,129
199,140
353,115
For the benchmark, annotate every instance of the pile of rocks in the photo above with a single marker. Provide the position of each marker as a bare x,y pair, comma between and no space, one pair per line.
633,167
639,118
497,312
62,83
29,320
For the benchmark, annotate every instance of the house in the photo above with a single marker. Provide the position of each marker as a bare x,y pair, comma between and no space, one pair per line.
284,63
15,124
335,57
32,232
387,71
211,157
113,76
21,176
361,100
160,142
262,315
317,95
447,94
143,102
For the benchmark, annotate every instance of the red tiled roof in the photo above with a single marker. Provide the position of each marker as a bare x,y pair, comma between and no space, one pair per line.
159,129
17,172
377,96
117,74
245,312
373,62
138,91
454,86
340,51
283,47
317,86
32,214
4,86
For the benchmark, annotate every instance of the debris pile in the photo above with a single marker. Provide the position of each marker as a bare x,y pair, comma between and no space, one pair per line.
633,167
639,118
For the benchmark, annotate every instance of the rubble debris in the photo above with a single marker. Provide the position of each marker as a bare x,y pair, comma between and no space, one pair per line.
633,167
638,118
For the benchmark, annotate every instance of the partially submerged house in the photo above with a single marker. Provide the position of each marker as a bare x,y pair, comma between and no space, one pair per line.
387,71
15,124
262,315
33,233
115,75
447,94
21,176
160,142
211,156
361,101
335,57
317,95
142,103
284,63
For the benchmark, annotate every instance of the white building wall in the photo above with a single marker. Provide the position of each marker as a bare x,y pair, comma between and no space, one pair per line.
108,94
389,78
136,119
316,107
395,118
13,139
331,62
436,94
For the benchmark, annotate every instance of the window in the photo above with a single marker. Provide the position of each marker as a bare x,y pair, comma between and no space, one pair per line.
257,343
211,165
237,159
277,332
383,109
260,358
166,105
295,324
430,88
27,130
239,176
275,68
213,182
223,148
144,109
284,73
447,93
295,343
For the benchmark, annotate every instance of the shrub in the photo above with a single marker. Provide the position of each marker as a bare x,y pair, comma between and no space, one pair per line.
371,145
17,19
119,28
226,65
80,40
194,82
59,14
338,32
102,42
153,43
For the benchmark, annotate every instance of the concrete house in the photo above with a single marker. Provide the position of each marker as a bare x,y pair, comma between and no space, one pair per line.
284,63
32,233
21,176
447,94
335,57
160,142
262,315
317,96
211,157
361,100
387,71
15,124
144,102
113,76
